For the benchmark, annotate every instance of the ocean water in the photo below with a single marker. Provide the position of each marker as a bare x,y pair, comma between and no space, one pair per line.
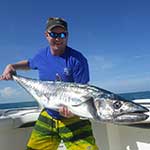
136,95
128,96
18,105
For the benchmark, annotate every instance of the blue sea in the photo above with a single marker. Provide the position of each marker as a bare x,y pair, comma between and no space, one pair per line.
128,96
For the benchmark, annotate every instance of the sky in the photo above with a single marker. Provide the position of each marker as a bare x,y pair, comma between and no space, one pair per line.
113,35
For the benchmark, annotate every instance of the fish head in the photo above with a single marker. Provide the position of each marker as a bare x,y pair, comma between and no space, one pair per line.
115,109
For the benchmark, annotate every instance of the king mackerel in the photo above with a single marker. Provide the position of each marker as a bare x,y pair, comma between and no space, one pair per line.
84,100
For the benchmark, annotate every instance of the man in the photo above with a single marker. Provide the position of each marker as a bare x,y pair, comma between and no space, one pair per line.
57,62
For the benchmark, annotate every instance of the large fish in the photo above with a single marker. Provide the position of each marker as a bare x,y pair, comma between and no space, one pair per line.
84,100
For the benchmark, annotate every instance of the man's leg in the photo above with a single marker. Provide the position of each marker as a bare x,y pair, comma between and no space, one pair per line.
44,135
77,134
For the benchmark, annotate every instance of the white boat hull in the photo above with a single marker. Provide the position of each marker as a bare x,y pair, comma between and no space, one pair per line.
114,137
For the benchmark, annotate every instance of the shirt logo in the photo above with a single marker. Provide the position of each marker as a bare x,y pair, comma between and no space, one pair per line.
67,71
58,77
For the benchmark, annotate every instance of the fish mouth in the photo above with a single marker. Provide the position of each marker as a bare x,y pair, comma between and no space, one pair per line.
134,114
140,110
132,117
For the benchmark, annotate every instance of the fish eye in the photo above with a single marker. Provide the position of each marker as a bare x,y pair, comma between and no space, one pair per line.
117,104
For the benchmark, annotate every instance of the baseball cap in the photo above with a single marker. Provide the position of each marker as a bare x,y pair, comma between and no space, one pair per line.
54,22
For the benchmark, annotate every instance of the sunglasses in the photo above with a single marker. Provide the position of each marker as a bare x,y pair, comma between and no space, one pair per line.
61,35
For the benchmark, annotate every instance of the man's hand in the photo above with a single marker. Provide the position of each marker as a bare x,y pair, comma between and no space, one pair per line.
7,74
65,112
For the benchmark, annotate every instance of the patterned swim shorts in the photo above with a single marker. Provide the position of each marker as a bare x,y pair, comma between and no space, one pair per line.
48,133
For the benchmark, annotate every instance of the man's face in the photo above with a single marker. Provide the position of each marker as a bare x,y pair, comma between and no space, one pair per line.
57,39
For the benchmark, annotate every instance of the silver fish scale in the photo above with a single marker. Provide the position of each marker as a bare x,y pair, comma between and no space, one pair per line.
66,92
85,89
79,91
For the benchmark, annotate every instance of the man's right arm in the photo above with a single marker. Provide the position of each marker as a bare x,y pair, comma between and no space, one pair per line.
11,69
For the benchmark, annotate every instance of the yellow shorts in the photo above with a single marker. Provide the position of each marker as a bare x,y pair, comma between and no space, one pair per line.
48,132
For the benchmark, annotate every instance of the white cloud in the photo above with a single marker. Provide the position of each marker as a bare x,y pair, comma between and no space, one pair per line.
8,92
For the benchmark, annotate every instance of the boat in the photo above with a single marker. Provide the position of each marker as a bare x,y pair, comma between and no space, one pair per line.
16,126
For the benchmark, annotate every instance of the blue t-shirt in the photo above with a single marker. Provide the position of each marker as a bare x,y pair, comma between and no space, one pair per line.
71,66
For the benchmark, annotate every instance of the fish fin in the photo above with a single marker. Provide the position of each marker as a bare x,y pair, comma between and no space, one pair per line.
82,100
83,118
93,110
